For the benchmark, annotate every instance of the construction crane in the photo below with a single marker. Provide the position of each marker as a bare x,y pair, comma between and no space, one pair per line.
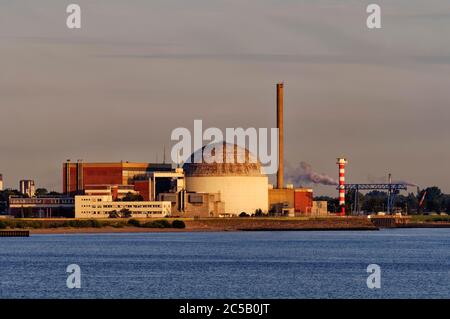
393,189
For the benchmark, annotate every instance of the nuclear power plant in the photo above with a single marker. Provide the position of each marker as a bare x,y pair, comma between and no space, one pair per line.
227,182
210,188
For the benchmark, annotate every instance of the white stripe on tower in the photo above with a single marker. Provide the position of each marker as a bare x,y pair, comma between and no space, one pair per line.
341,162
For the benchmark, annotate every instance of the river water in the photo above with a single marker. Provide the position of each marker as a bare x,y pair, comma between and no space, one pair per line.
415,263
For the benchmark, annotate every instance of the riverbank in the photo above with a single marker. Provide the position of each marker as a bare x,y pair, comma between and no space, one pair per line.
74,226
54,226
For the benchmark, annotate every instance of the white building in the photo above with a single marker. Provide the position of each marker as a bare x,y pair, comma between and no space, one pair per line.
102,206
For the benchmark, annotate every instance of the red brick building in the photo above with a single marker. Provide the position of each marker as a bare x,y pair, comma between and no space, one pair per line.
303,200
79,175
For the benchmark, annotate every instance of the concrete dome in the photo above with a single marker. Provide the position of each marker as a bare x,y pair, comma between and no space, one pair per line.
242,186
223,159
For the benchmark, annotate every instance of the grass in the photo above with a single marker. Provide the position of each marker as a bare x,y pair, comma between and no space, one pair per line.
429,218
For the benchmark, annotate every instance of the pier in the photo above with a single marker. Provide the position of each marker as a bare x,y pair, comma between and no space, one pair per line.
14,233
389,221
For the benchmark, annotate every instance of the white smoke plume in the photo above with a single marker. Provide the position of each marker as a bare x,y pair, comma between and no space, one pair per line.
304,174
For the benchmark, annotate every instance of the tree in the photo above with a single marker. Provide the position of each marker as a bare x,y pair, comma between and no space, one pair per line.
4,198
374,201
125,213
113,214
178,224
446,203
259,213
41,192
433,199
130,197
411,203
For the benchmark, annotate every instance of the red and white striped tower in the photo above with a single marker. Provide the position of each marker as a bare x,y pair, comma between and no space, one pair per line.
341,163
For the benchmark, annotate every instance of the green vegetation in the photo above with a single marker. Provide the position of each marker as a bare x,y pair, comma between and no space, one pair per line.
88,223
161,223
130,197
430,218
125,213
81,223
119,224
244,214
375,201
41,192
114,214
4,198
36,224
178,224
259,213
134,222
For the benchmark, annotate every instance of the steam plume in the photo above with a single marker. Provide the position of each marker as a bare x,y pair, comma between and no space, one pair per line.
304,174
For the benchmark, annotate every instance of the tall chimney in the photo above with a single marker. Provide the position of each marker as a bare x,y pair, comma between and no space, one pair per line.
280,126
341,162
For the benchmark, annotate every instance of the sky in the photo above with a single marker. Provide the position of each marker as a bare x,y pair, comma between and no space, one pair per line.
116,88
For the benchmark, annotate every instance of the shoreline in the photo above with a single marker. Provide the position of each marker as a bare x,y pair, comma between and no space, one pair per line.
136,230
233,225
132,230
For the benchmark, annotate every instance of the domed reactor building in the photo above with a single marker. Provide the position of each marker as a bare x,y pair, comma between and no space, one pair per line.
231,171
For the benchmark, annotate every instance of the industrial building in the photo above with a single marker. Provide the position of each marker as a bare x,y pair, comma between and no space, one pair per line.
290,201
41,207
103,206
285,200
210,188
198,189
117,192
79,176
194,204
27,187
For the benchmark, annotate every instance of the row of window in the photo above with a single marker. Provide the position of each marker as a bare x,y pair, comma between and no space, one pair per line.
134,213
122,206
41,201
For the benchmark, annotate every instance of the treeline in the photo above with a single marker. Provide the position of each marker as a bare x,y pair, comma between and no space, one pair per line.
434,201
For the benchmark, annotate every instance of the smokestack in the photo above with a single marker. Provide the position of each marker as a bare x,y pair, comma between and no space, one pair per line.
341,162
280,126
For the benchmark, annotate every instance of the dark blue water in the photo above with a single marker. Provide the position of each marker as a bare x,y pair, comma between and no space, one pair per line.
415,263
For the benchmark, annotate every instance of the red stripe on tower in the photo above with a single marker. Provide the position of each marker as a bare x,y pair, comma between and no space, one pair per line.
341,163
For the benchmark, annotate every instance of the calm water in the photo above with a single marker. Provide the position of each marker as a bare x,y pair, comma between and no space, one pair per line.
415,263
